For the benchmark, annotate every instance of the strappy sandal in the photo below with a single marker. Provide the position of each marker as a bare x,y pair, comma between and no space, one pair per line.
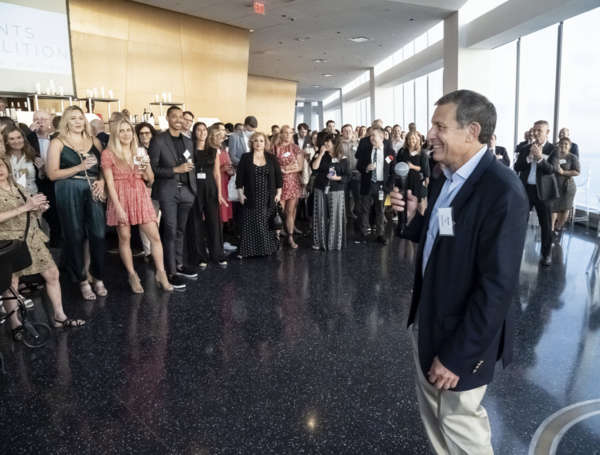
23,289
100,289
68,323
316,248
17,333
86,291
291,242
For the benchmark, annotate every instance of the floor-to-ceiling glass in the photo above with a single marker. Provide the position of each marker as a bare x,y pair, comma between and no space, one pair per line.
504,84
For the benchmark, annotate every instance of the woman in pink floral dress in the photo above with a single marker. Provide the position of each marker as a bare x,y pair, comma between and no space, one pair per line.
129,203
291,161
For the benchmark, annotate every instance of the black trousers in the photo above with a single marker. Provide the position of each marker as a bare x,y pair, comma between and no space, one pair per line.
204,225
544,213
172,227
367,201
352,187
46,186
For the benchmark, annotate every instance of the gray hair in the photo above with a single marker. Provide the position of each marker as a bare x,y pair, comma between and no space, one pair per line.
472,107
97,126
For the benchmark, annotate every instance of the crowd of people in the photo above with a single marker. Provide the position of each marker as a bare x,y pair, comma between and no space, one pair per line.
189,185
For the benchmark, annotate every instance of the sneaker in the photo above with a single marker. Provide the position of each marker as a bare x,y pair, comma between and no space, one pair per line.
223,263
202,265
184,271
176,282
229,247
362,238
381,239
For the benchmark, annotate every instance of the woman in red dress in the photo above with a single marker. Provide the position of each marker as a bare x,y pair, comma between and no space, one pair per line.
129,203
291,160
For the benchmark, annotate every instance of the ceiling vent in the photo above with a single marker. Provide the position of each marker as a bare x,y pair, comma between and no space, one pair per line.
360,39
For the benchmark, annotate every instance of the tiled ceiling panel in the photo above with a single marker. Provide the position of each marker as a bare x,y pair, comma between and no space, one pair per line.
293,33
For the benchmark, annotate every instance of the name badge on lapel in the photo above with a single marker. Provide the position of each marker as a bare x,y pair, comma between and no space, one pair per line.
187,155
388,159
446,221
563,161
286,154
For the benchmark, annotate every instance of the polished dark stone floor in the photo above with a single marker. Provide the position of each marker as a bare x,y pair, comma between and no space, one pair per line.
302,352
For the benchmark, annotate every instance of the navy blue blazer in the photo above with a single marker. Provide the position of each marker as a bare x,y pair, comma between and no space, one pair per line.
465,298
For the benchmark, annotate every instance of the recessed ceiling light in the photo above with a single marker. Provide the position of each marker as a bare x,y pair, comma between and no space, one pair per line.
327,75
316,86
319,60
360,39
299,39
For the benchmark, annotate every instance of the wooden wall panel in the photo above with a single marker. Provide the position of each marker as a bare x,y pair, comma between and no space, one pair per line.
271,101
139,51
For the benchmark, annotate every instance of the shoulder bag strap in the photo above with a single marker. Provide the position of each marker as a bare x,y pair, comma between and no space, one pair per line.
28,214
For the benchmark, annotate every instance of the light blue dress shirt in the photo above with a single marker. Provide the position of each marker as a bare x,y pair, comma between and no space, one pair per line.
452,186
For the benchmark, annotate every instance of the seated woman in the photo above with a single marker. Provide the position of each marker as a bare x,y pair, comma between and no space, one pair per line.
15,219
259,182
129,203
329,212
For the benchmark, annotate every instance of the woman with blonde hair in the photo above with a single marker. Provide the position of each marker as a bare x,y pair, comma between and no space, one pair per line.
74,164
259,182
418,163
17,212
291,160
129,203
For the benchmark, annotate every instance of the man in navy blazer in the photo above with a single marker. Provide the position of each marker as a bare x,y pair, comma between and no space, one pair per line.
471,241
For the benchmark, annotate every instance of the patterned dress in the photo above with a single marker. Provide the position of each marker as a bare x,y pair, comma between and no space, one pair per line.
131,191
566,185
15,229
257,238
226,212
292,183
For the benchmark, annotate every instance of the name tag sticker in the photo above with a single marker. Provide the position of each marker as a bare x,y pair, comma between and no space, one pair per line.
187,154
219,152
446,221
355,148
563,161
334,160
286,154
388,160
381,195
201,176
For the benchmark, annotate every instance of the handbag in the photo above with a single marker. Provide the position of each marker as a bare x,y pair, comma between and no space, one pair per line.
22,257
310,186
102,198
232,192
277,219
306,173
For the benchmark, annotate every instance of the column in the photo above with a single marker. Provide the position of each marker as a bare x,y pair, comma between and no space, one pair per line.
320,114
382,101
308,114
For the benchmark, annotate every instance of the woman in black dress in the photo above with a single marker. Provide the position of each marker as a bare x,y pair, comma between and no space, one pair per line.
569,167
418,162
204,222
259,182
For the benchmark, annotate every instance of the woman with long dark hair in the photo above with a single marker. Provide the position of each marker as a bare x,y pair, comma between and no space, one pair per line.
204,223
329,215
23,158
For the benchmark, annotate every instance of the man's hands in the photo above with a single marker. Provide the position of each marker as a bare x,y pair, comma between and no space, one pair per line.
371,167
536,152
183,168
398,203
441,377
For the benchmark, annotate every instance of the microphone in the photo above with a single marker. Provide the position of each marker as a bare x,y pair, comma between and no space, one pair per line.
401,171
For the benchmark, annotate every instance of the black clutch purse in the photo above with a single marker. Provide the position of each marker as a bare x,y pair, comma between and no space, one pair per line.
276,221
22,257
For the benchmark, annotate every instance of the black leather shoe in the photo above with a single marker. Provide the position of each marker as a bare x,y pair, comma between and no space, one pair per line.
184,271
546,261
176,282
362,238
381,239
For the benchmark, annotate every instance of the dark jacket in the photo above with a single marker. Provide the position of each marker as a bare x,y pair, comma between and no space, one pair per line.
163,159
465,296
245,177
547,188
501,151
363,159
342,169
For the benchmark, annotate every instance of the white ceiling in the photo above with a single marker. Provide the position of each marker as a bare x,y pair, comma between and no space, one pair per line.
326,27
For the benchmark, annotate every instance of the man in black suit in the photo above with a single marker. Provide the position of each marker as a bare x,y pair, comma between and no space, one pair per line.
373,163
471,240
499,152
171,155
300,137
528,136
564,132
536,165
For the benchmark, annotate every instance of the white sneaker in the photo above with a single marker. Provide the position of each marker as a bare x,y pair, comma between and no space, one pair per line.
229,247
